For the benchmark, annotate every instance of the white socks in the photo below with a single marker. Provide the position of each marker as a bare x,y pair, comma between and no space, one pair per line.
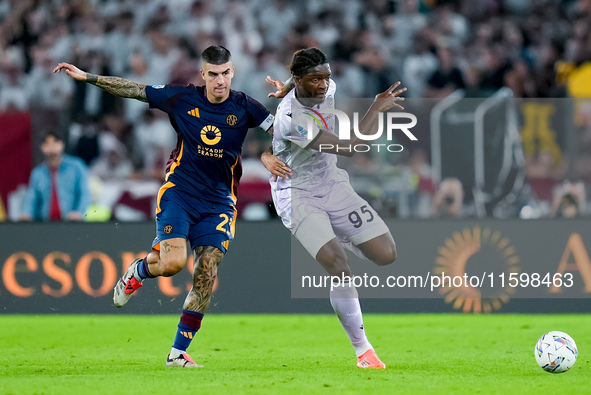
345,302
175,353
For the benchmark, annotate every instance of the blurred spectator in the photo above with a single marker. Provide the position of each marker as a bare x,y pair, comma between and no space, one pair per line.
452,27
448,199
57,89
90,100
347,76
113,163
58,188
254,81
543,175
494,67
13,93
84,139
418,66
371,58
164,54
569,201
154,140
407,23
91,37
520,80
447,78
422,184
271,13
140,74
124,40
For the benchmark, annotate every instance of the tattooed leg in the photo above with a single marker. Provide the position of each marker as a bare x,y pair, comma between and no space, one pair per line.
171,258
207,259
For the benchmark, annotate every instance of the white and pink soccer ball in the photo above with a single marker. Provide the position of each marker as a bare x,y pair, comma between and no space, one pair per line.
556,352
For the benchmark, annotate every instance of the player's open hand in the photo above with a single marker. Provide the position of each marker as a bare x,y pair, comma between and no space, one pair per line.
390,98
275,166
71,70
277,84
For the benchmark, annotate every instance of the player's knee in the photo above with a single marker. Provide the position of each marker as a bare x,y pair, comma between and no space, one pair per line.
387,256
334,262
172,265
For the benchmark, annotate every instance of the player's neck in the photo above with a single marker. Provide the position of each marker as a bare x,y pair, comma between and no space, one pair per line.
305,101
216,100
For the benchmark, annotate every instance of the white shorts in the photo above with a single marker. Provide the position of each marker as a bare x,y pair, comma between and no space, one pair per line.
340,212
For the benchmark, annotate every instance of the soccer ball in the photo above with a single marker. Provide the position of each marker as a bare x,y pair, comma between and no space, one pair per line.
556,352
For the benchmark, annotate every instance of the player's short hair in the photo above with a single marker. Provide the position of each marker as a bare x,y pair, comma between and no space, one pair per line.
216,54
305,59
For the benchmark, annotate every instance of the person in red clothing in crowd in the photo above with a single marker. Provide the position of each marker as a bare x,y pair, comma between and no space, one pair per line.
58,187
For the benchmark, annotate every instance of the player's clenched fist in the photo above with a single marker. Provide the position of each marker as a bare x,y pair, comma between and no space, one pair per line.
71,70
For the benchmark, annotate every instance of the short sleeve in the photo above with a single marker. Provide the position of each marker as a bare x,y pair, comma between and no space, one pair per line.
163,96
258,115
304,128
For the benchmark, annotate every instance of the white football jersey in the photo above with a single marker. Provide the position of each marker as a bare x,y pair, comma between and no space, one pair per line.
294,128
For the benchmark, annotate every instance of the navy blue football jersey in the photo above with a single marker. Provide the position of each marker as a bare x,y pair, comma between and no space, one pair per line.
206,162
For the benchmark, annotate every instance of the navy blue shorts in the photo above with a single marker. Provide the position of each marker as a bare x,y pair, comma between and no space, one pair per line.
202,222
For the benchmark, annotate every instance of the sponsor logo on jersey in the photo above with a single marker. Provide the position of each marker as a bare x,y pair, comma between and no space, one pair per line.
211,135
194,112
158,86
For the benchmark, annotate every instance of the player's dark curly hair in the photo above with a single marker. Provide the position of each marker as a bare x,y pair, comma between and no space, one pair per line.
305,59
216,54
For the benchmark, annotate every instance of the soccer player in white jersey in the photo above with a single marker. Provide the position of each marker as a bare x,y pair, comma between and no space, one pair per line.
316,202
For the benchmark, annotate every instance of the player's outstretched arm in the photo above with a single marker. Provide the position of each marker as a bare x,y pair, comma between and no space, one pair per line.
114,85
282,87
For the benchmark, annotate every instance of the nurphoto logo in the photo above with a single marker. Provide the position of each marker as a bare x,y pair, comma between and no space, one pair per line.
392,124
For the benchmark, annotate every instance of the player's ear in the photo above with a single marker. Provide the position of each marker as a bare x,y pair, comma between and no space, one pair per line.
232,72
297,79
202,74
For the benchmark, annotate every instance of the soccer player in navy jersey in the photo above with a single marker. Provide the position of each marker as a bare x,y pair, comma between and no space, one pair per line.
197,200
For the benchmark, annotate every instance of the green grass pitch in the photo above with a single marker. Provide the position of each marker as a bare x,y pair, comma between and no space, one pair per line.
279,354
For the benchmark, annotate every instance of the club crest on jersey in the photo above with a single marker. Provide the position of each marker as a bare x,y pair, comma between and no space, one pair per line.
211,135
231,119
330,101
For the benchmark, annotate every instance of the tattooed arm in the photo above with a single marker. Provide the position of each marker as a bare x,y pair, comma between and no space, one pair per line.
114,85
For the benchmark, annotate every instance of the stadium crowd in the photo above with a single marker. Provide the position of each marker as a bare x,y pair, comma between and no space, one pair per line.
433,46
